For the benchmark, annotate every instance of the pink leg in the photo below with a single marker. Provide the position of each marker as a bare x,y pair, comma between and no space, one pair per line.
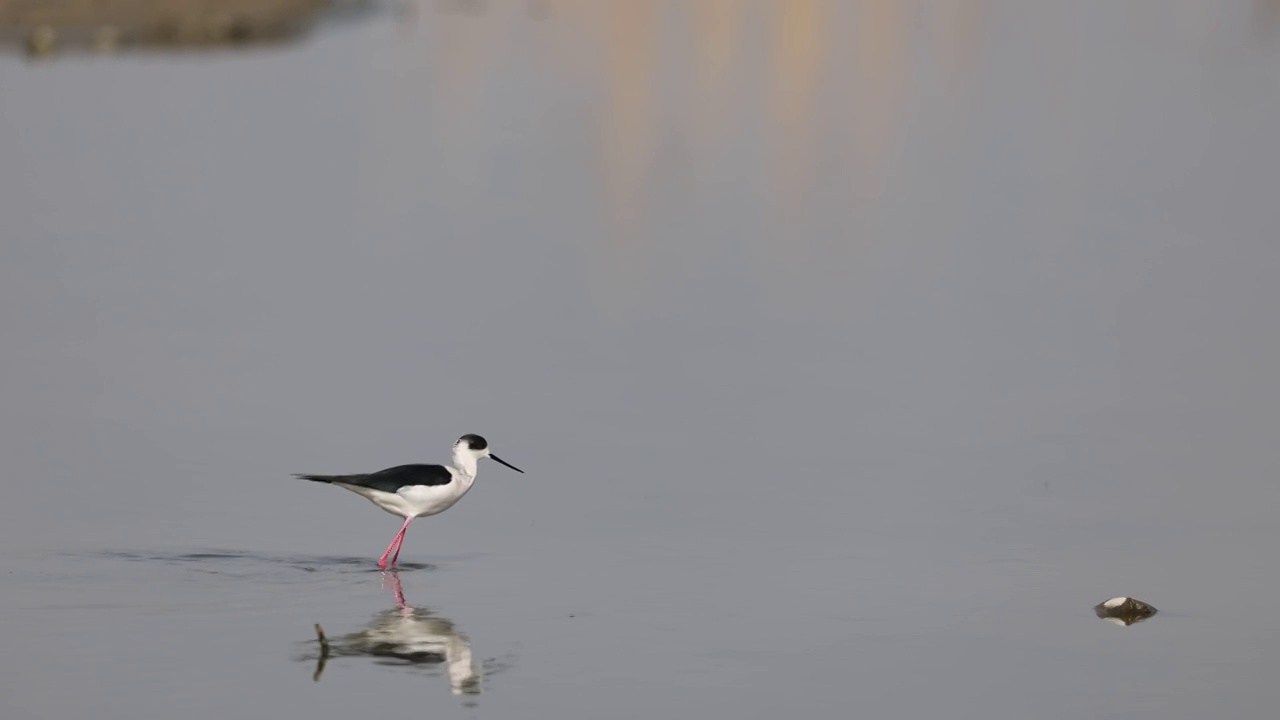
401,543
395,541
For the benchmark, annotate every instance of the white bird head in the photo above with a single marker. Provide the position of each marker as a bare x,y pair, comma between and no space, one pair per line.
474,447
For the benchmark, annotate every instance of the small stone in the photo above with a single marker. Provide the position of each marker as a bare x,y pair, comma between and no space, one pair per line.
1124,610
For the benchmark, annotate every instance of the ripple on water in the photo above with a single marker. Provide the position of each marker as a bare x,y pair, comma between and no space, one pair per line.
239,562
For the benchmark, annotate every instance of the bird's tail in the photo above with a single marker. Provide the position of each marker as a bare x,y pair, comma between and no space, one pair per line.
316,478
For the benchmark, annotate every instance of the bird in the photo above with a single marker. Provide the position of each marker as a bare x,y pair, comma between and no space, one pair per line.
414,491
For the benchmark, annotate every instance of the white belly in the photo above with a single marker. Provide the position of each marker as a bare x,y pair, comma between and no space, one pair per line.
415,500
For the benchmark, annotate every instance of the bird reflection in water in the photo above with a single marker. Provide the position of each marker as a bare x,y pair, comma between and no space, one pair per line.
407,637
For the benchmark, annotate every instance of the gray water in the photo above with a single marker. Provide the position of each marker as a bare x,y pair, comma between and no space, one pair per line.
853,352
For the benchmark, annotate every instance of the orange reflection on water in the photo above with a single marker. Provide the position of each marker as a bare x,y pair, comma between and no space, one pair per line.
880,73
799,31
627,134
806,95
717,35
627,131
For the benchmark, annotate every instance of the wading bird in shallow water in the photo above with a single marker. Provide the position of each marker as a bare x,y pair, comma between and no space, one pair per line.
413,491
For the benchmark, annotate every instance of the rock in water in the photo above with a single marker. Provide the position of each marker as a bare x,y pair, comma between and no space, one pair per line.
1124,610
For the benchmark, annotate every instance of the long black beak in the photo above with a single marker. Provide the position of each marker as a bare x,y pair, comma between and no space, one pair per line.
504,462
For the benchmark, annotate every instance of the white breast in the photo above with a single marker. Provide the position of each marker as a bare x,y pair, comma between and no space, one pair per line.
424,500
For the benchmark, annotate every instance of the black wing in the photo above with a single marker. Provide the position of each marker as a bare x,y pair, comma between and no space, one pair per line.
391,479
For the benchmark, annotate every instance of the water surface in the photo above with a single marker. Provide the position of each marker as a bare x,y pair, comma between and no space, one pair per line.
853,352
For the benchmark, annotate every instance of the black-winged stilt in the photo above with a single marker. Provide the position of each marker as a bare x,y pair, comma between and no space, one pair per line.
414,491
